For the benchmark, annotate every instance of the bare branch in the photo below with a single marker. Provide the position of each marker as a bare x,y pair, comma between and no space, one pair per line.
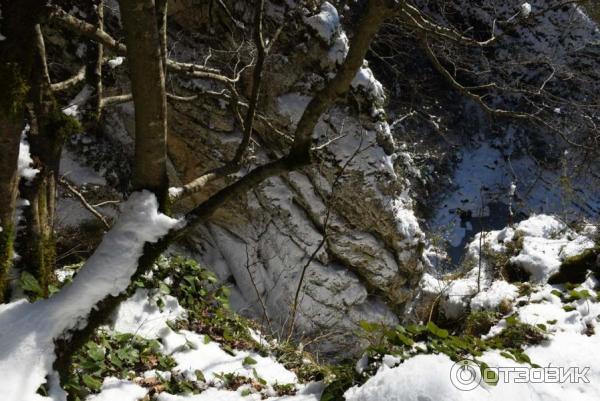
256,82
69,83
87,30
85,203
118,99
479,100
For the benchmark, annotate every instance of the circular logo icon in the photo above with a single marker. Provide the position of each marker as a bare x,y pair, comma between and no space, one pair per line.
465,375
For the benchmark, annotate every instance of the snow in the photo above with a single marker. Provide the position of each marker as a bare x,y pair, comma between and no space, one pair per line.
28,330
122,390
493,296
25,161
339,49
540,225
546,243
141,315
481,184
115,62
213,394
366,81
326,23
525,10
427,377
406,221
211,359
571,323
421,378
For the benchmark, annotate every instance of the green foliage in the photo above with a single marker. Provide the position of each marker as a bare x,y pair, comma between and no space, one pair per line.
233,381
249,361
574,269
402,341
31,285
206,301
119,355
60,125
479,323
340,379
516,335
285,389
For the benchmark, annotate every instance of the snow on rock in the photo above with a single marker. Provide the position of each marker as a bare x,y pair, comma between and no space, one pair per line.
339,49
540,225
28,330
571,336
406,221
366,81
122,390
546,243
326,23
115,62
494,296
525,10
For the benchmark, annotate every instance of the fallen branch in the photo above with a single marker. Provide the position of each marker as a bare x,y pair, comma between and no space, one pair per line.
85,203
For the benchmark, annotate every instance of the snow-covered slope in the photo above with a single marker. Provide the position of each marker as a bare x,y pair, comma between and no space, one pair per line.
568,316
28,330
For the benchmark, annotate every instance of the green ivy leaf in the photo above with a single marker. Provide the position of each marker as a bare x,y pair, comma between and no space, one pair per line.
436,331
30,283
91,382
249,361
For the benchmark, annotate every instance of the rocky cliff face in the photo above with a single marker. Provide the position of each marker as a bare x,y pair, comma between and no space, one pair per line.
346,222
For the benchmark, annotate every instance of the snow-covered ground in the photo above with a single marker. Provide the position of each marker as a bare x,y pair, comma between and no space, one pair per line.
194,352
569,317
28,330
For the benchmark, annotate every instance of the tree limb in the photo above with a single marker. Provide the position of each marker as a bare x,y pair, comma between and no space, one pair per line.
70,82
85,203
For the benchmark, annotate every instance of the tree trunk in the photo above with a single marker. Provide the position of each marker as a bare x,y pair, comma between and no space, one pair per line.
145,59
19,19
94,66
49,128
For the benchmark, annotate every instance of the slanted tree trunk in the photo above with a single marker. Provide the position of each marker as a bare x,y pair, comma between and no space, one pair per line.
19,19
146,72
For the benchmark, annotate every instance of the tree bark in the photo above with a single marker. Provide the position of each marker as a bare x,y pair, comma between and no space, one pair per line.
19,19
49,128
146,72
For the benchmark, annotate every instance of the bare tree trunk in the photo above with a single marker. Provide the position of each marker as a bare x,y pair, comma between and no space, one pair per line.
49,129
146,72
95,64
19,19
